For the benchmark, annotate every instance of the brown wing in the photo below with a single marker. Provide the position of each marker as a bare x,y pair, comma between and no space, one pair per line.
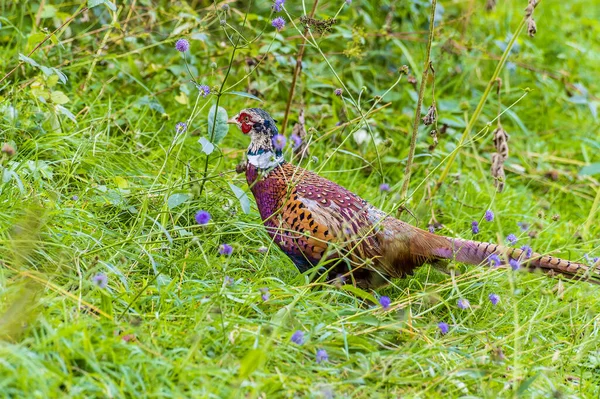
328,218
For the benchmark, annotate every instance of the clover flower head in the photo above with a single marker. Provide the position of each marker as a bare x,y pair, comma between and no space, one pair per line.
100,280
204,90
463,303
385,302
202,217
298,337
225,249
279,141
494,299
322,356
444,327
514,264
278,23
182,45
278,5
511,239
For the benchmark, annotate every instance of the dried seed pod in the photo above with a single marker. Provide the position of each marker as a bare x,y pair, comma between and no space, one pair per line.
531,27
299,137
501,142
528,10
490,5
431,116
498,171
434,136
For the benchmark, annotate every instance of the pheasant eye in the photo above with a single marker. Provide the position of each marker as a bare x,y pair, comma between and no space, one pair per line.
246,118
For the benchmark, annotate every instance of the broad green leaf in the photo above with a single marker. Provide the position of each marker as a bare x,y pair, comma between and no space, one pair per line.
254,359
220,128
52,81
28,60
207,146
242,197
244,94
121,182
592,169
94,3
48,11
58,97
61,76
110,5
66,112
177,199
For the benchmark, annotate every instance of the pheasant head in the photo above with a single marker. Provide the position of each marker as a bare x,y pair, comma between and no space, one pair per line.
258,124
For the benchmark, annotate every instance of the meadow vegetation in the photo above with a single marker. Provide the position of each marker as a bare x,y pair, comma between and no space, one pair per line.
112,284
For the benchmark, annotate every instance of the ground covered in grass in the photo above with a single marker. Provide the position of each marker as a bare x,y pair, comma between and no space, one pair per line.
110,287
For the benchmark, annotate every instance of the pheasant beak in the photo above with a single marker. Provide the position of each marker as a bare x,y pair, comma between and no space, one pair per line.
233,120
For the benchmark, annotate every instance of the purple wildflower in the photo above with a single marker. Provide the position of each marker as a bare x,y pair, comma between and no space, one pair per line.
278,5
348,2
489,215
225,7
431,228
384,187
338,92
590,260
278,23
296,141
463,303
527,250
265,294
494,299
322,356
182,45
101,280
511,239
475,227
385,302
180,127
75,197
229,280
279,141
444,327
223,22
494,260
514,264
202,217
204,90
298,337
225,249
523,226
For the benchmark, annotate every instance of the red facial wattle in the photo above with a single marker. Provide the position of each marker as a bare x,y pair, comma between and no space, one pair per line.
246,127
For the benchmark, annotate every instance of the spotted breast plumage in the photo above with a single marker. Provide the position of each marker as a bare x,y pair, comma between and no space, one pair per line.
317,222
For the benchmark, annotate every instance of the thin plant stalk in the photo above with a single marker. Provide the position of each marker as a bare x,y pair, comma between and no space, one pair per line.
417,120
296,72
479,108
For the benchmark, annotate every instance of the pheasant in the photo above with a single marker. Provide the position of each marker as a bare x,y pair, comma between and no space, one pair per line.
315,221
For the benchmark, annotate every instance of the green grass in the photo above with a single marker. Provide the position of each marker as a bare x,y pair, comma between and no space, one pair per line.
78,199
